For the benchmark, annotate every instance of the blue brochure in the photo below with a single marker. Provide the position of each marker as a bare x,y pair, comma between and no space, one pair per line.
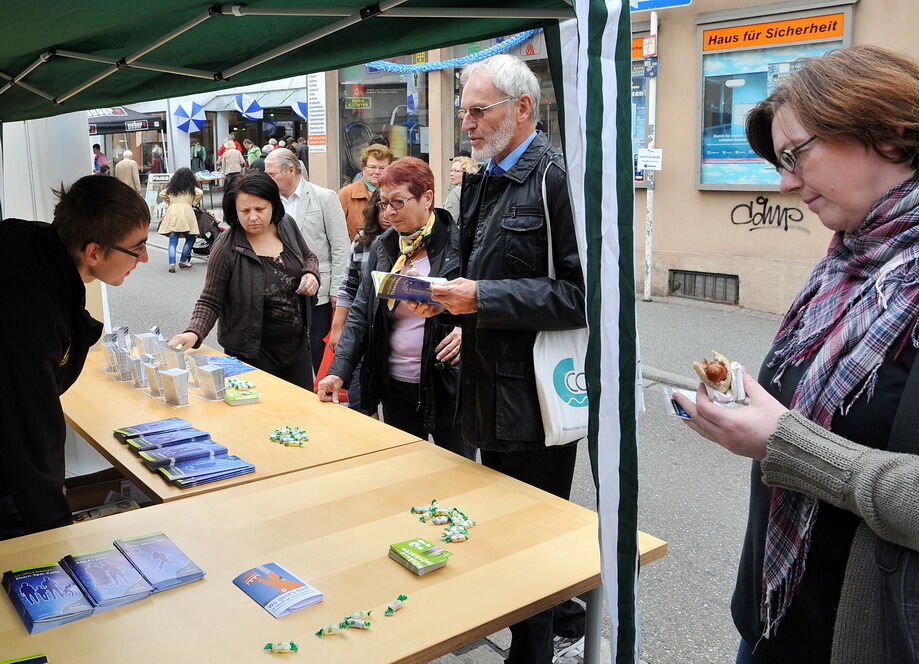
404,287
149,428
106,578
176,454
202,471
158,440
277,589
45,597
231,366
159,561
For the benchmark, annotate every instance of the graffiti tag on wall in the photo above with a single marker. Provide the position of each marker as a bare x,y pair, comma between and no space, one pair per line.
758,214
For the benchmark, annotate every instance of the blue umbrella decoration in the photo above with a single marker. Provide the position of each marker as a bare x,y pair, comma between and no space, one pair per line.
248,107
300,108
190,121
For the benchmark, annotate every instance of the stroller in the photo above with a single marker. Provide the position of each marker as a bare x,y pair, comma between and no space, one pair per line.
208,230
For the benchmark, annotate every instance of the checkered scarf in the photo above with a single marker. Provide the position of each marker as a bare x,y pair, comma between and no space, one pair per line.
860,300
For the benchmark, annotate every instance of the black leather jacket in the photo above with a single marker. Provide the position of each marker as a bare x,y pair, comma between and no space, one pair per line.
503,247
366,332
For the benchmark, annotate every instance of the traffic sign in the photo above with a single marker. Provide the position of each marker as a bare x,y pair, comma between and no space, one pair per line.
648,5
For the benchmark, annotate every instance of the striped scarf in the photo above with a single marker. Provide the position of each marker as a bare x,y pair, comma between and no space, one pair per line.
860,299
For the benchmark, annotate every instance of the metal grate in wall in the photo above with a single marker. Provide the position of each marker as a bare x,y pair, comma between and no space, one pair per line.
705,286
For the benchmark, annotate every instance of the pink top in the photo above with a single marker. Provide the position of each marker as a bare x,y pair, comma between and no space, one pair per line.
407,336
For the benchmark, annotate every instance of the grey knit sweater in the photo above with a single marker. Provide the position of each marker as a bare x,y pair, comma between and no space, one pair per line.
881,487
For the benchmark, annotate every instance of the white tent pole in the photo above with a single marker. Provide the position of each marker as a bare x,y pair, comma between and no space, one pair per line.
649,175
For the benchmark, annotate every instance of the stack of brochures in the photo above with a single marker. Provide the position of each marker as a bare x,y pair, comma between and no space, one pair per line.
83,584
185,456
419,555
278,590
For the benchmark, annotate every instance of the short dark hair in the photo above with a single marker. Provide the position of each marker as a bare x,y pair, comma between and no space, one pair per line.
182,182
254,184
96,146
863,93
100,210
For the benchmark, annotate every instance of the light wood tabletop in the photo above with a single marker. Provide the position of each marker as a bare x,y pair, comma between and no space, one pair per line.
96,404
331,525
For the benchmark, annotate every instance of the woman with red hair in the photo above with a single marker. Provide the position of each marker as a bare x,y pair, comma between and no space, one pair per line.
409,361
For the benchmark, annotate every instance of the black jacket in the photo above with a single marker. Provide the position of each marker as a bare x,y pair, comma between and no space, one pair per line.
234,289
44,339
366,332
503,247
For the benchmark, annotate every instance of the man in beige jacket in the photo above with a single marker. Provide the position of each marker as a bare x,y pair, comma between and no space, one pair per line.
126,171
321,221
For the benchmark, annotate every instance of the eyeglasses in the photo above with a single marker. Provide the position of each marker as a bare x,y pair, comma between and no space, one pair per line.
788,159
132,254
478,112
375,168
396,203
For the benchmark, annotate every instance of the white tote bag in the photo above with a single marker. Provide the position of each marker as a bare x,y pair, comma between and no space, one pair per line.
558,361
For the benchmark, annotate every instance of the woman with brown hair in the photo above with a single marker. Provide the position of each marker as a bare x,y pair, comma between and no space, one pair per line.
409,361
829,570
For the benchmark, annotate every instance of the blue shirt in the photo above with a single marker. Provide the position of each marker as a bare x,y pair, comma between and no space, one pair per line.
508,162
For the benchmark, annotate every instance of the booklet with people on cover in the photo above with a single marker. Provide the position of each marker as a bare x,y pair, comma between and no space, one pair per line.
404,287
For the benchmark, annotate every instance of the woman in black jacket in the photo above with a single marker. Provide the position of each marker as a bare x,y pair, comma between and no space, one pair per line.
258,275
409,364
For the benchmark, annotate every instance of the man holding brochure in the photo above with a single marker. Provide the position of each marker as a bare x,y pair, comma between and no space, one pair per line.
409,363
504,297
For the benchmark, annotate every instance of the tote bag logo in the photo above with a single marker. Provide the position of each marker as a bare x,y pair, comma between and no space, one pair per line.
570,385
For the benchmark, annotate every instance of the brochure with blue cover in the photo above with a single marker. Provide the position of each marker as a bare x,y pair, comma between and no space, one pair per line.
202,471
404,287
230,365
159,561
158,440
175,454
278,590
149,428
106,578
45,597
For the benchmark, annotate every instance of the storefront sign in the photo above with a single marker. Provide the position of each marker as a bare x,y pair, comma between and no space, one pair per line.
135,125
647,5
353,103
650,159
637,48
649,46
315,101
421,58
650,67
812,28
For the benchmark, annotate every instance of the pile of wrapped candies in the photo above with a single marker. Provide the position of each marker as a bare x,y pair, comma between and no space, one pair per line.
289,436
239,384
457,522
287,647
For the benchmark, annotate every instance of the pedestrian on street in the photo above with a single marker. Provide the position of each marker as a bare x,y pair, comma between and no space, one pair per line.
126,171
180,219
829,570
504,298
260,276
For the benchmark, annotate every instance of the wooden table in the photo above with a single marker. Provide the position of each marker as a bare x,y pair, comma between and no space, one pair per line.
332,525
96,404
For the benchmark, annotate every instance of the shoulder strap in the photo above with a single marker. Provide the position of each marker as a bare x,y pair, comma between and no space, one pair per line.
545,206
906,422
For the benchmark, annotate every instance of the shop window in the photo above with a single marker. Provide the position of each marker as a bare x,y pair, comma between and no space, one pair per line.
639,106
742,63
375,103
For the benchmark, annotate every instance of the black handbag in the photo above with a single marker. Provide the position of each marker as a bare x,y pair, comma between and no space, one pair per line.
898,566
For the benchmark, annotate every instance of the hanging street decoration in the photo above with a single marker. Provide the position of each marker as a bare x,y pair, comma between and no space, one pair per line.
248,107
190,120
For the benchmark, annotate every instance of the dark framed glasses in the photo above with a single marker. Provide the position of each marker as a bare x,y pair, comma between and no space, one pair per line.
132,254
396,203
478,112
788,158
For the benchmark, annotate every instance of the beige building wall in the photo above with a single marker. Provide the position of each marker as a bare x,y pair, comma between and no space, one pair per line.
702,231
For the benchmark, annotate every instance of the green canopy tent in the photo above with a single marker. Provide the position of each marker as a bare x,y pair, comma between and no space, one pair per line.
61,57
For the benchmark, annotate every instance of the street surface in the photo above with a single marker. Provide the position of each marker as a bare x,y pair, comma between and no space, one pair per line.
692,494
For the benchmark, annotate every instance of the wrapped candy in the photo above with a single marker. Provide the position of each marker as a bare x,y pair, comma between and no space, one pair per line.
353,623
455,537
328,630
440,520
290,436
395,605
286,647
360,615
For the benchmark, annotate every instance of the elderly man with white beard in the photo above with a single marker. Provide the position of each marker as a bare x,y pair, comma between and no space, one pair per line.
505,297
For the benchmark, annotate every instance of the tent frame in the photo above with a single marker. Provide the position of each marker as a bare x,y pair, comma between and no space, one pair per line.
384,9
